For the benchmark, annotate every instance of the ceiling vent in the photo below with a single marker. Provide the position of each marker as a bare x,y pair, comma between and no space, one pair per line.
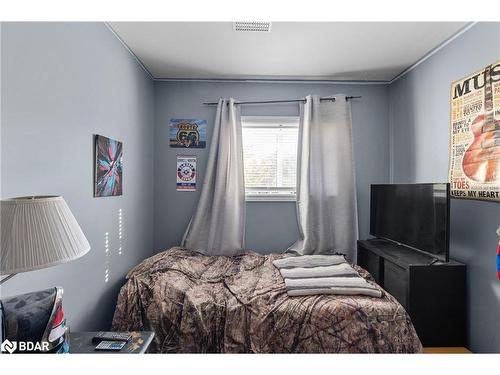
261,27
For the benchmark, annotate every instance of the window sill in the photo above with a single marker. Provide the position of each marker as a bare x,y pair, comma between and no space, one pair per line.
267,198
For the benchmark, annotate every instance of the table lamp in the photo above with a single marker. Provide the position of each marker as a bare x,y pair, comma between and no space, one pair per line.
38,232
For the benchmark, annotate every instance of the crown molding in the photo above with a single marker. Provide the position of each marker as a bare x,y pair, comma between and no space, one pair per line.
433,51
130,51
273,80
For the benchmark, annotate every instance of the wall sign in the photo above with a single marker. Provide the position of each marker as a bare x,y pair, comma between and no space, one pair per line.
188,133
474,171
186,173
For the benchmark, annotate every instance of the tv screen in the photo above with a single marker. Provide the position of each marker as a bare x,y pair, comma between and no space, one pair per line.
415,215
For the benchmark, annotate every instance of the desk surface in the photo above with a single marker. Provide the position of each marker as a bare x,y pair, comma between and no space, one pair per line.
81,342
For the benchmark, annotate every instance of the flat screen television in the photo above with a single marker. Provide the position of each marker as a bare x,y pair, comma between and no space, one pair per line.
414,215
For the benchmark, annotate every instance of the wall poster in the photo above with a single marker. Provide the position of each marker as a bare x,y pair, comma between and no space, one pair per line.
186,173
474,167
188,133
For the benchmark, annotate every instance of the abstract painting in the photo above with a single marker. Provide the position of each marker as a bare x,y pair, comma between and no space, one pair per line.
108,167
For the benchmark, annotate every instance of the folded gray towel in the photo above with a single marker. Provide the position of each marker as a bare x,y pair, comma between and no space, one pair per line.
342,269
328,282
322,274
308,261
335,290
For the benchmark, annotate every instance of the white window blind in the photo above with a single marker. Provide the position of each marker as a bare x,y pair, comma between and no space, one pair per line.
270,157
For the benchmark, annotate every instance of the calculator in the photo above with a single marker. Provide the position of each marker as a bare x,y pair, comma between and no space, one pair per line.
110,345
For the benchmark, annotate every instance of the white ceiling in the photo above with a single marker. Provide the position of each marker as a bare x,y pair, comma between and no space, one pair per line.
374,51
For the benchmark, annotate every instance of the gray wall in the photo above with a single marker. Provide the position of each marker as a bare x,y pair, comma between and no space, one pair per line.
62,83
419,115
271,227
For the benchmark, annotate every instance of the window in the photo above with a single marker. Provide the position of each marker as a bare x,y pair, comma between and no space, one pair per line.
270,157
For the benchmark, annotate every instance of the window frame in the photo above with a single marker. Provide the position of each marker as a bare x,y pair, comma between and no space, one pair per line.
263,122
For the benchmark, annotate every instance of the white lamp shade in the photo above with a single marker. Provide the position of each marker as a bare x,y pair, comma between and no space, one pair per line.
38,232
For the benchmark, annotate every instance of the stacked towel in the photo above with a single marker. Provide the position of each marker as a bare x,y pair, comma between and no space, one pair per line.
342,269
323,274
309,261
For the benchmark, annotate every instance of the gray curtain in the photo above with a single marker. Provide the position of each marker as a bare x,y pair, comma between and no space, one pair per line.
326,188
218,225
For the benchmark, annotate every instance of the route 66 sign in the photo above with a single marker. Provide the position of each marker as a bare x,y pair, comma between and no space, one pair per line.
186,173
188,133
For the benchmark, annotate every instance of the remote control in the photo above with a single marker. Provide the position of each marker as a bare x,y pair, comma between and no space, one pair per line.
111,336
110,345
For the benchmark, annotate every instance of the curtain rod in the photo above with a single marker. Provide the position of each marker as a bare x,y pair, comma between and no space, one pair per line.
286,101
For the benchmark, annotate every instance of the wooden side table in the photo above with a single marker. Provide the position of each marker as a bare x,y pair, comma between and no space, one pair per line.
81,342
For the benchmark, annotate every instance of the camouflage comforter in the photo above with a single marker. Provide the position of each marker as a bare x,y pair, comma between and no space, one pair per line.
199,304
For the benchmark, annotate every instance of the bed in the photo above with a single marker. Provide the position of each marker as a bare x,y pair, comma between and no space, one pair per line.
216,304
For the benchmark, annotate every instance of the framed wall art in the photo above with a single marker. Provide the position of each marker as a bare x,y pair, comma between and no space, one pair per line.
186,173
474,167
108,168
188,133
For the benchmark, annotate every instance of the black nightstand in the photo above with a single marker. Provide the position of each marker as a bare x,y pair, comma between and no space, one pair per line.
81,342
